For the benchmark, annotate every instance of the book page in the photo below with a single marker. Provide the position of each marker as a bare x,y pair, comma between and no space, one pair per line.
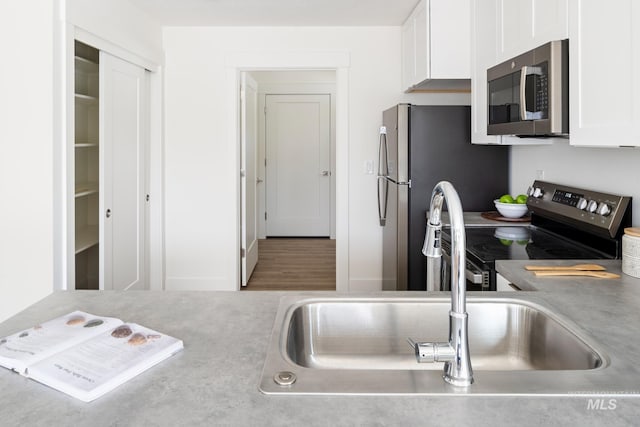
19,350
94,367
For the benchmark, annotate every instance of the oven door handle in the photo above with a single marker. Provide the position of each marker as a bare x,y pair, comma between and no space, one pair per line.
472,276
475,278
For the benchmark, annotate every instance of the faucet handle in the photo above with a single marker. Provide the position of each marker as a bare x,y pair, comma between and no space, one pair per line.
416,347
429,352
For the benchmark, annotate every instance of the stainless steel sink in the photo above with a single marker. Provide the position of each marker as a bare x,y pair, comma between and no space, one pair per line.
503,336
359,345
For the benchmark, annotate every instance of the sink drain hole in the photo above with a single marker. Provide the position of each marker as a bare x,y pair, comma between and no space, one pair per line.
285,378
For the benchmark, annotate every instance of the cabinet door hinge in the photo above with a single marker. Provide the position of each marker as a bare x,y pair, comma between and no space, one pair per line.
242,253
265,216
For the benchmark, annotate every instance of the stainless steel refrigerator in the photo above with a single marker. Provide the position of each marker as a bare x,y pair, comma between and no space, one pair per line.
420,146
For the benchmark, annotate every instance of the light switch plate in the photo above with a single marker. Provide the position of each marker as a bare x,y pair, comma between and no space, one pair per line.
368,167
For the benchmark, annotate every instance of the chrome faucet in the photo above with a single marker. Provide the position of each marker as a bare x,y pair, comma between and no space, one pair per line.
455,353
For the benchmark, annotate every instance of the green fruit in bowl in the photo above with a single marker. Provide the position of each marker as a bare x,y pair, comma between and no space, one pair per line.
521,199
522,242
507,198
506,242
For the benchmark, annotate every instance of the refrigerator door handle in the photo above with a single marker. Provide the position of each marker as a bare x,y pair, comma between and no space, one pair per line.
407,183
383,171
382,204
383,153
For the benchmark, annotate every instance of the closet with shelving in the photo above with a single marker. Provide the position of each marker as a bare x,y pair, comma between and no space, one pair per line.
107,215
86,155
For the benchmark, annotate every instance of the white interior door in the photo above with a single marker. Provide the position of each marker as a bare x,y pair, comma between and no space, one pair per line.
249,175
123,94
298,178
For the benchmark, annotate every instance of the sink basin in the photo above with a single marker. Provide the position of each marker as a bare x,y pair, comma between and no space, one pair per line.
373,335
359,345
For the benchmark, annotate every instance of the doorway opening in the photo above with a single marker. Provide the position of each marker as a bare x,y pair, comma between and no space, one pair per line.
288,186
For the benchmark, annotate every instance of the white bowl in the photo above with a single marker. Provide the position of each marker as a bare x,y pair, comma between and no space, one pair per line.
520,234
511,210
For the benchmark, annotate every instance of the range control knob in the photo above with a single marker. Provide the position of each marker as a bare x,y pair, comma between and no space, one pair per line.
530,190
537,192
592,206
603,209
582,203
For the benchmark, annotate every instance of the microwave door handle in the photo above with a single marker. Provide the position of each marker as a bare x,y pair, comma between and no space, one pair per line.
524,72
523,93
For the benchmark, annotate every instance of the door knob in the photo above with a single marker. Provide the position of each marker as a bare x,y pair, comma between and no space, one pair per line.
108,213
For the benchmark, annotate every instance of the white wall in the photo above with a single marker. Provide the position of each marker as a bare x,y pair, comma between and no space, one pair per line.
279,77
26,153
201,212
612,170
120,23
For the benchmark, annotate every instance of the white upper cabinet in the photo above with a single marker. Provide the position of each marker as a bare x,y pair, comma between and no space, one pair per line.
527,24
604,70
408,54
436,44
550,21
484,15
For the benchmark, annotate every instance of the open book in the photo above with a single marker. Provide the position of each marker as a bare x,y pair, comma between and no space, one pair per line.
84,355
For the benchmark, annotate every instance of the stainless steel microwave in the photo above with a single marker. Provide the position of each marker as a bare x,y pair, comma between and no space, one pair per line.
529,95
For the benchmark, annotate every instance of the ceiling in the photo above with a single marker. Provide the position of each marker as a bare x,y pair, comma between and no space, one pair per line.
278,12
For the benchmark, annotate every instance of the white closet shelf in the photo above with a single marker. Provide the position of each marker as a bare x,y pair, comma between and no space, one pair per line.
86,66
86,99
86,237
86,188
85,144
85,233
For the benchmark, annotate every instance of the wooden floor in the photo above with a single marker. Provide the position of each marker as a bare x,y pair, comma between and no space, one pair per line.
290,264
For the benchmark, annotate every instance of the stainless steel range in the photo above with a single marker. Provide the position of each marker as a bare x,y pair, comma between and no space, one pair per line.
566,223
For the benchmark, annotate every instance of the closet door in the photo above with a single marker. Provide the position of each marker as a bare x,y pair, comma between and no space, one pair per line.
123,91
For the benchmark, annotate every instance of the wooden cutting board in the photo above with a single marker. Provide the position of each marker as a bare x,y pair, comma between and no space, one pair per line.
578,267
495,215
598,274
632,231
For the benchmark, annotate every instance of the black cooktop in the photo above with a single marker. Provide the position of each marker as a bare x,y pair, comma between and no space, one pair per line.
485,245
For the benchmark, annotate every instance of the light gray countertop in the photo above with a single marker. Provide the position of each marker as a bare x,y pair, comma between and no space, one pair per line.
475,219
214,381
